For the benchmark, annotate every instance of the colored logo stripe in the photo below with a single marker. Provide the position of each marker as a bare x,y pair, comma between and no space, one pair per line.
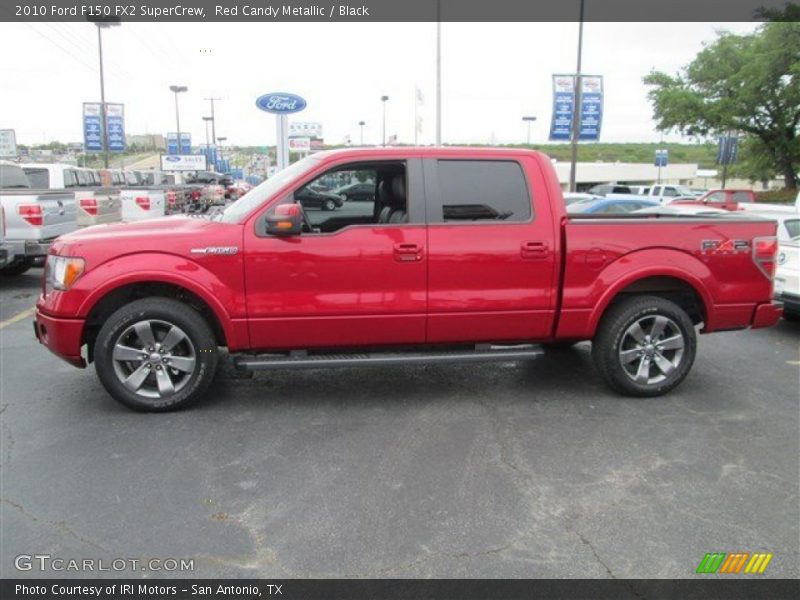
733,563
758,564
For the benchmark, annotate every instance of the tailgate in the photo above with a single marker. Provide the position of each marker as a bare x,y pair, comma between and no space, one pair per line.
58,214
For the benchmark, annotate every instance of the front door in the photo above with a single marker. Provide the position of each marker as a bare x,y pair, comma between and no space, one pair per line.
357,278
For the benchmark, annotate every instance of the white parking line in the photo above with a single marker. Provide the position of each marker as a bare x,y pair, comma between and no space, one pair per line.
18,317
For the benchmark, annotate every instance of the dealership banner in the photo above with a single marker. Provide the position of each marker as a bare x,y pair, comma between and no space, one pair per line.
92,127
115,127
8,143
590,115
183,162
563,107
172,143
300,144
305,129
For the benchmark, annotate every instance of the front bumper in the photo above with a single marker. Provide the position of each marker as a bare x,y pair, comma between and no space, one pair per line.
767,314
61,336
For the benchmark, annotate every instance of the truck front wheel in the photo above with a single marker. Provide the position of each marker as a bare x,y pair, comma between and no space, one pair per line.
645,346
156,354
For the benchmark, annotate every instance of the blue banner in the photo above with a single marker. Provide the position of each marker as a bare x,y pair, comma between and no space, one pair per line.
172,143
591,115
662,158
92,127
115,127
563,107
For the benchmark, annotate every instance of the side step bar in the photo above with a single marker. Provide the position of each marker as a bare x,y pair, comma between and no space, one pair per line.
302,360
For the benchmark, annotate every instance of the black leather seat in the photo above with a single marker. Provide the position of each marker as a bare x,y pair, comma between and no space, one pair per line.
385,201
399,214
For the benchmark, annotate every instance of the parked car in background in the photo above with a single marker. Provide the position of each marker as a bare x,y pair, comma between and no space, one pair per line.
787,276
139,204
685,211
604,189
96,203
364,191
609,206
311,198
577,197
112,177
730,199
6,250
482,265
34,217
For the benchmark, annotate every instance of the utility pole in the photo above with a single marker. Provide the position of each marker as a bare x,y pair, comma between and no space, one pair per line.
383,101
103,133
529,120
576,109
438,73
361,125
177,89
213,120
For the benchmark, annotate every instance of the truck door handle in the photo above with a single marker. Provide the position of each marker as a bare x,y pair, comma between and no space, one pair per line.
407,252
534,249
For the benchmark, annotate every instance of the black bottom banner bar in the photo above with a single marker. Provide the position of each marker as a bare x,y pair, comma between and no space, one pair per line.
397,589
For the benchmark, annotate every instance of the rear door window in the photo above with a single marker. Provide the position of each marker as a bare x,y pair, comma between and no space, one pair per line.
741,197
481,190
39,178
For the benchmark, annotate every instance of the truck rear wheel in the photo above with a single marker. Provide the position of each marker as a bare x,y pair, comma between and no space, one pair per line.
645,346
156,354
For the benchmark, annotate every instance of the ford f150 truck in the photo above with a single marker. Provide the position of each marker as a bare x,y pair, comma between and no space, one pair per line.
34,218
96,204
462,255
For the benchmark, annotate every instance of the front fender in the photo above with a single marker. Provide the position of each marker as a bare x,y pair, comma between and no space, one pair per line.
223,293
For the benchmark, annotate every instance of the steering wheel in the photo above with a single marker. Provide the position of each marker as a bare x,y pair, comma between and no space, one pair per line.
306,222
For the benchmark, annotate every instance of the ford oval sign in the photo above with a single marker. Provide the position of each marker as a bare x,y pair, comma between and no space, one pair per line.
280,103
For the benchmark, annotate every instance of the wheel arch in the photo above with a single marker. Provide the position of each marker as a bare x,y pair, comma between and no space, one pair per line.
680,286
105,302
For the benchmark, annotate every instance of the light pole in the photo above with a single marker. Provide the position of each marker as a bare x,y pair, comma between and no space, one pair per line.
177,89
529,119
220,140
577,107
104,135
361,125
213,119
207,119
438,73
383,100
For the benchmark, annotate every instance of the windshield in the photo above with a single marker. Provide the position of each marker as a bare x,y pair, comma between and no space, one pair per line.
255,197
683,190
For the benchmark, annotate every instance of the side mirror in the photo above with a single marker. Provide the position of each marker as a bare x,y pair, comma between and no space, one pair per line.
286,220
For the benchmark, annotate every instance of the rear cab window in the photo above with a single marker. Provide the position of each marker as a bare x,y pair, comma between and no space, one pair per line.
39,178
480,191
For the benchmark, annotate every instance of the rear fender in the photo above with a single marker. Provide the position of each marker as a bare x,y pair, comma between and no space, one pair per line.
652,262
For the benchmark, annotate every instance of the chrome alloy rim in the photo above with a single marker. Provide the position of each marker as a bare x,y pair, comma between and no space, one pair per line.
154,359
651,349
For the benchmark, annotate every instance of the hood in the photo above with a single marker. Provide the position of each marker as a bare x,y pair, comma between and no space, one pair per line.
176,235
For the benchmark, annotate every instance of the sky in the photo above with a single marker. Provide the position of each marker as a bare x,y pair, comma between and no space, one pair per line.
492,75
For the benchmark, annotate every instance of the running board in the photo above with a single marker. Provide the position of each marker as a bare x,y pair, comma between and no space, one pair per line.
302,360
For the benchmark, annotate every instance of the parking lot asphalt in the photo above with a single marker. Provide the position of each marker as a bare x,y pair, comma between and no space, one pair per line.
520,469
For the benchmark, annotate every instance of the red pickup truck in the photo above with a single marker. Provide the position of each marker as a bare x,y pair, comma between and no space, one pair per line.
461,255
721,199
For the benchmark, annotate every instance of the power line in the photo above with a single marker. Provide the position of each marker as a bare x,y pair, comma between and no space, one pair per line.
60,47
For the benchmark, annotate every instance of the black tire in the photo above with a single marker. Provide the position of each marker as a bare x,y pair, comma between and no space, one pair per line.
329,205
792,317
197,347
615,344
17,267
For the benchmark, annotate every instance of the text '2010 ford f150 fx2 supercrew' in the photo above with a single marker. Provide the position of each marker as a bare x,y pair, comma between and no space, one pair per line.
461,255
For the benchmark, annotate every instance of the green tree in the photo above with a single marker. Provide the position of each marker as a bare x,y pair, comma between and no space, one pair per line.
744,83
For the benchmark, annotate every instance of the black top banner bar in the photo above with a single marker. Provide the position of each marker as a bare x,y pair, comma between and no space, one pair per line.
198,11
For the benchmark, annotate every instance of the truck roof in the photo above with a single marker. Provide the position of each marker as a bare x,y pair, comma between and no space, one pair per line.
404,151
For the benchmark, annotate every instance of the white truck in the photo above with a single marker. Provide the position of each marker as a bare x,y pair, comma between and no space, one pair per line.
96,203
6,251
34,217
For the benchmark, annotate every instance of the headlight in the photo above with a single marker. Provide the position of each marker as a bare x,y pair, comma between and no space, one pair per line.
62,271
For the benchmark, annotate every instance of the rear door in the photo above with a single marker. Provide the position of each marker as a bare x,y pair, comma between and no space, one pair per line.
491,265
